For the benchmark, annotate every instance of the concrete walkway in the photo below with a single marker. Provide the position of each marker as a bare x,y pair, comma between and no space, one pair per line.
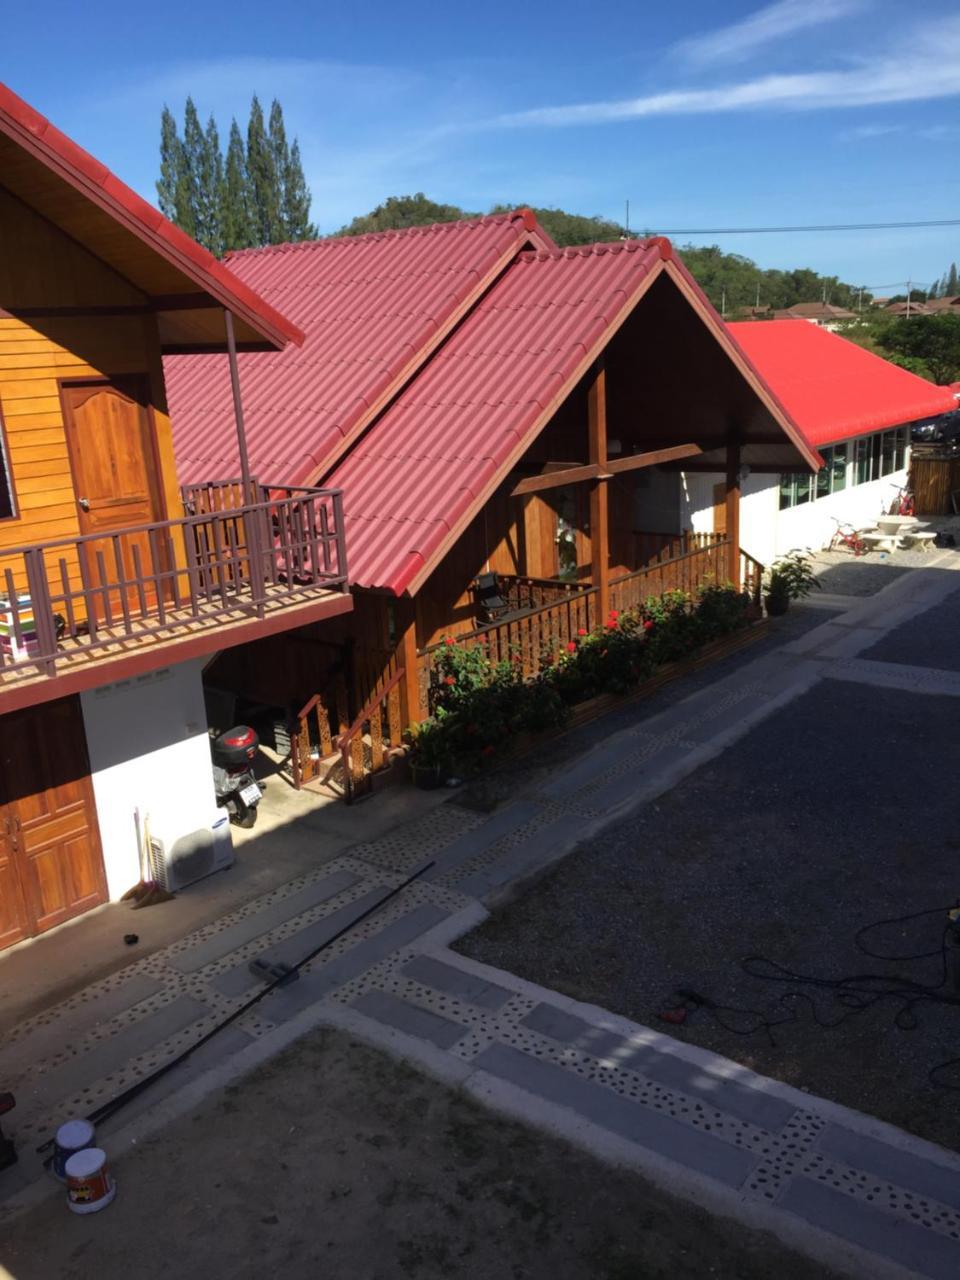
852,1191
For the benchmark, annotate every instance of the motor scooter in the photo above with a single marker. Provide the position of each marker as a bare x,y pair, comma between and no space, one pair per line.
234,781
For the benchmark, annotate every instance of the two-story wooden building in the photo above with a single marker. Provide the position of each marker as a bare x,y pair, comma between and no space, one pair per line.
115,587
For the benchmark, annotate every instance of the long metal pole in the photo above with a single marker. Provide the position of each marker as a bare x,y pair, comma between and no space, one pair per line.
248,494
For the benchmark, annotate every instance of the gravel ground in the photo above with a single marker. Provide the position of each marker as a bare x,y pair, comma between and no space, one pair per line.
784,847
932,639
842,574
335,1161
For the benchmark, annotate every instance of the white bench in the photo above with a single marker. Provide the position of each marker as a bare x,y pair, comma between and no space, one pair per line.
921,539
880,541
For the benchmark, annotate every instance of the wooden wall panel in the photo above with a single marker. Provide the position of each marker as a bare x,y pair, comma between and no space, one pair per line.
40,268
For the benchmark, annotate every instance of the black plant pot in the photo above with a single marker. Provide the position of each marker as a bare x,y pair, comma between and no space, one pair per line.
776,606
427,777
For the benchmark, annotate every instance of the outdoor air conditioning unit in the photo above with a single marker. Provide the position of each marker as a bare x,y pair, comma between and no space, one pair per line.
177,863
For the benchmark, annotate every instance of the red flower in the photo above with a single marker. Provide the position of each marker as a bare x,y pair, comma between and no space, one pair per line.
582,632
448,640
572,647
614,615
648,624
449,679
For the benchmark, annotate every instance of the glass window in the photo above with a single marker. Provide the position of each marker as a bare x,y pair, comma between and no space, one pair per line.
838,468
804,487
900,448
8,506
787,491
875,456
861,461
825,473
888,447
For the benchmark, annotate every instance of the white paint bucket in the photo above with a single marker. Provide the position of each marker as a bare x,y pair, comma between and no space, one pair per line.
71,1137
90,1187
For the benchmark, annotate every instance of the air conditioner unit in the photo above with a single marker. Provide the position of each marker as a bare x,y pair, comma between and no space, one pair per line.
175,864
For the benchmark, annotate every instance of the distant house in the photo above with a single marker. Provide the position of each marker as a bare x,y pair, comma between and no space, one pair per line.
823,314
937,305
880,302
763,312
852,406
908,309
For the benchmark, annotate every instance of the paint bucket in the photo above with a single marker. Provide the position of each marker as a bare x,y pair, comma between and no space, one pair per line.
89,1186
71,1137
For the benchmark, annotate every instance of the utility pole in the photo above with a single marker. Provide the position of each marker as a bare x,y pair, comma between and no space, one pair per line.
860,299
757,304
723,304
909,291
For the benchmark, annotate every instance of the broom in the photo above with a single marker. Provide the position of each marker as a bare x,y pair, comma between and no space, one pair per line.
146,892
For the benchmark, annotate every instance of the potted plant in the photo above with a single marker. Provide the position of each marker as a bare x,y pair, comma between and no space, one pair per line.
430,754
789,578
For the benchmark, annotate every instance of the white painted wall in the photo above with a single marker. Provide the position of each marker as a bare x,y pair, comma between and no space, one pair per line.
148,747
759,508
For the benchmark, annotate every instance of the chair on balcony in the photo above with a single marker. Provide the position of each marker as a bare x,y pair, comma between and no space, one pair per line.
489,602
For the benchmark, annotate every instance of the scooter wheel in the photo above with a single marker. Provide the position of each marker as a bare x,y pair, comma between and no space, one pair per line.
246,818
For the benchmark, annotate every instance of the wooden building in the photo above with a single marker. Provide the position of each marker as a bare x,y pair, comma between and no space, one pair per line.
115,588
519,399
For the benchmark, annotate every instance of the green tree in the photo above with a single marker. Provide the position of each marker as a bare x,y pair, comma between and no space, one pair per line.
931,345
194,164
235,220
170,165
952,286
294,195
399,212
262,181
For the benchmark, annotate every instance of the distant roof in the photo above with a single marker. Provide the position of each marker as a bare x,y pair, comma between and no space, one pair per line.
902,309
424,469
185,285
944,304
832,388
820,310
373,308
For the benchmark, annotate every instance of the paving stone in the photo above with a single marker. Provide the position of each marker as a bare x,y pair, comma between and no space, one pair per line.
456,982
679,1142
618,791
422,1023
109,1054
890,1164
520,859
921,1251
735,1097
475,841
548,1020
285,1002
261,922
576,776
298,946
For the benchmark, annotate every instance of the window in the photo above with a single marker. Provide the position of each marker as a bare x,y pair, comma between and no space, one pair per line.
8,506
880,455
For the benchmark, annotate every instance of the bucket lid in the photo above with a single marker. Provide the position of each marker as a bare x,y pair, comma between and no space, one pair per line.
85,1163
75,1134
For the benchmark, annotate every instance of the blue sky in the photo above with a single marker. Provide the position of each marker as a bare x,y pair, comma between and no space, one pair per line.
701,114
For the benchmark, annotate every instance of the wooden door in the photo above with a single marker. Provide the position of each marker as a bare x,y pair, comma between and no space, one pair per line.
720,508
113,457
51,838
14,921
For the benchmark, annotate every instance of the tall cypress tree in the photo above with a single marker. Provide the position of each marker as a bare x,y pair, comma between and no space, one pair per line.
170,162
210,190
193,153
235,218
262,180
296,199
952,288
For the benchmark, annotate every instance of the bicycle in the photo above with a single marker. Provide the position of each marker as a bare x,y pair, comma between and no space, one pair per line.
902,504
846,538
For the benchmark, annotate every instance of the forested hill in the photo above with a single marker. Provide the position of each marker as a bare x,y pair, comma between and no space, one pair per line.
716,272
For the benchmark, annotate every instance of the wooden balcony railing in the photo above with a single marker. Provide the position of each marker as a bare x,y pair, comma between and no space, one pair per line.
219,563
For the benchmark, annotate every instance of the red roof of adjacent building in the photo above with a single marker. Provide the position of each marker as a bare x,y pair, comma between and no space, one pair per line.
832,388
415,479
50,173
373,308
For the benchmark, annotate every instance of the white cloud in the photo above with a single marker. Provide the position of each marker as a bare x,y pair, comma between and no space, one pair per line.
864,132
924,66
773,22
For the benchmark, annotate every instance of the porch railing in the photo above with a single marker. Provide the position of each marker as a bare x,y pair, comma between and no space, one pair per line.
366,745
95,592
317,729
532,635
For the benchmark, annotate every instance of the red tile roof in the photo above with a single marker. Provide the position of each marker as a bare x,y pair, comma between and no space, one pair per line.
373,308
71,188
832,388
414,480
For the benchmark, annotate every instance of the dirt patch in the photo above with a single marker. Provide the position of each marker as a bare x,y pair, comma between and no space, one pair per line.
834,813
335,1161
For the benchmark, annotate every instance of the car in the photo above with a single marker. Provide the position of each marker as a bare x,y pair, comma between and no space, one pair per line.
942,430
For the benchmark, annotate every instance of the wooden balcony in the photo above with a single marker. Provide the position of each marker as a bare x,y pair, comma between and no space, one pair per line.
88,610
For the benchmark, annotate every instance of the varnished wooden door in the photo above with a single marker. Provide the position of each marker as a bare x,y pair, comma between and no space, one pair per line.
113,458
54,865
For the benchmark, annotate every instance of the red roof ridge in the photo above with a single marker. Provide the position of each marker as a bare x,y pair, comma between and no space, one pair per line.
599,248
524,215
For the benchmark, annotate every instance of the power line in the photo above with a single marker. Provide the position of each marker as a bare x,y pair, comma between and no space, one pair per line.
837,226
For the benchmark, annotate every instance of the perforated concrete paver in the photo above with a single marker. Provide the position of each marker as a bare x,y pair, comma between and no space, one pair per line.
397,1013
467,986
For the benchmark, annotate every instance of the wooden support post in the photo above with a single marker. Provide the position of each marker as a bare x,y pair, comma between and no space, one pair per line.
413,709
733,510
599,513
